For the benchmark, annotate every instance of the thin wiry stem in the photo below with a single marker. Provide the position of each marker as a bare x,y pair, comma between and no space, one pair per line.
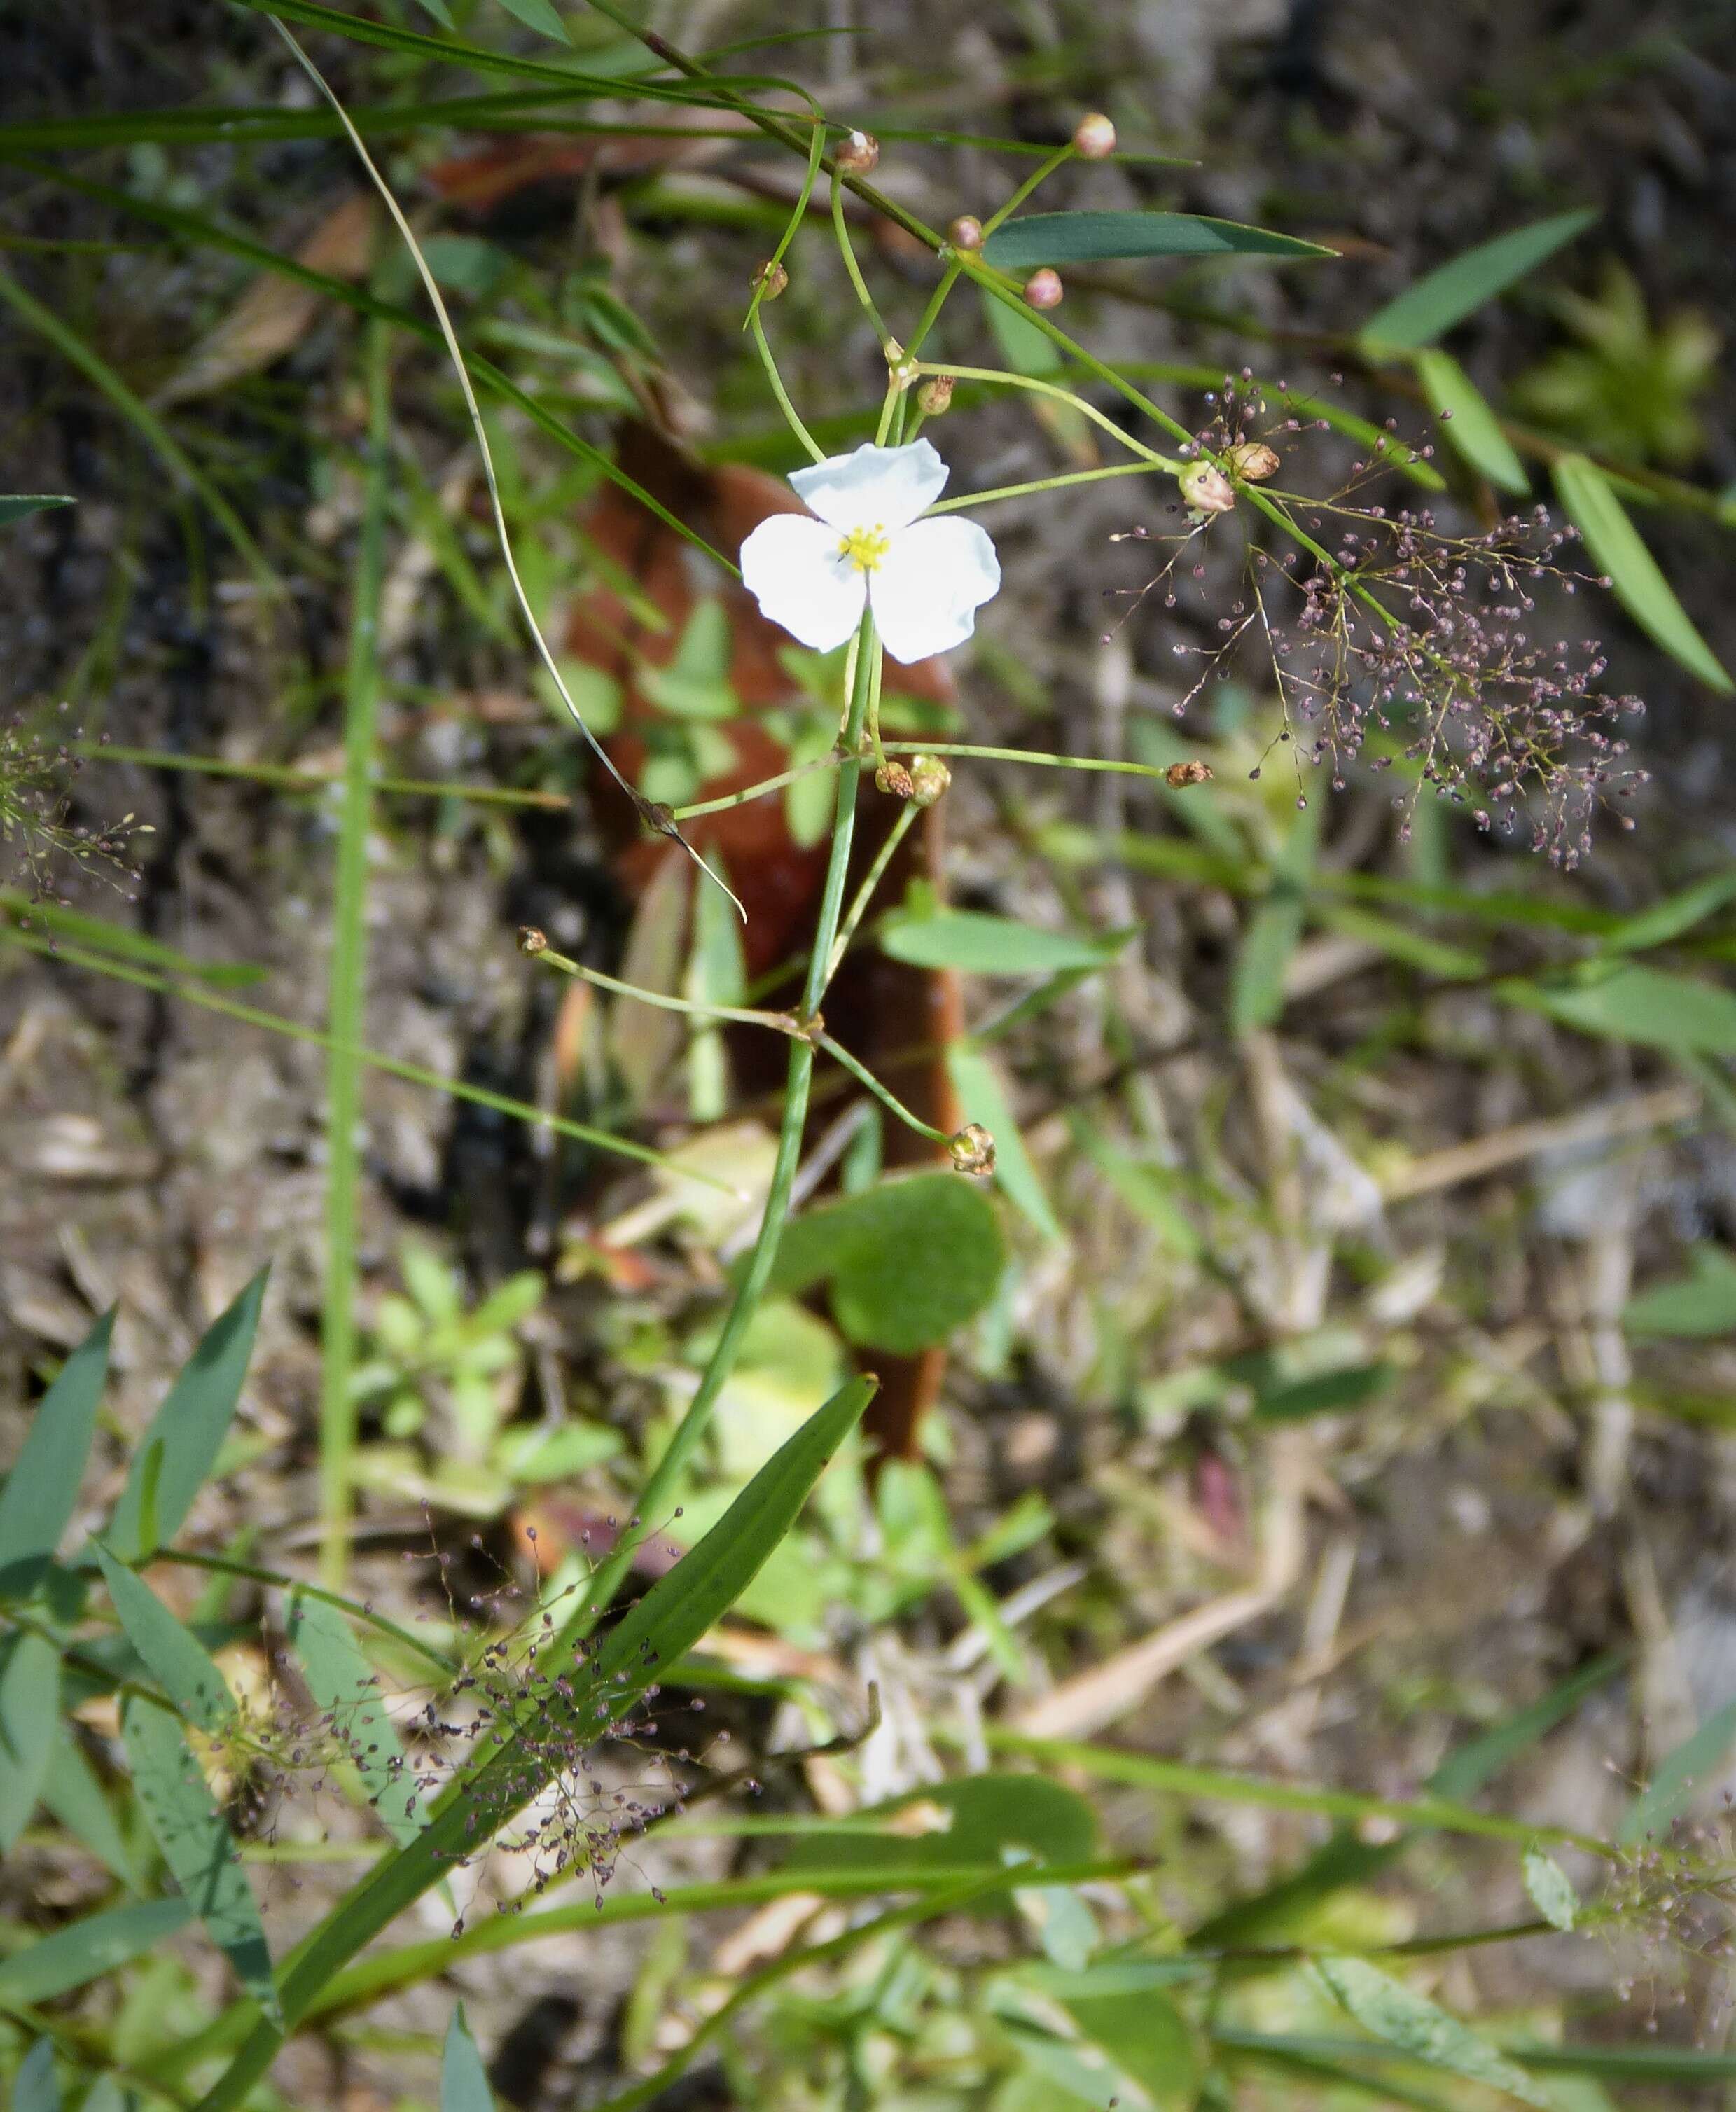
871,881
781,1023
816,453
884,1094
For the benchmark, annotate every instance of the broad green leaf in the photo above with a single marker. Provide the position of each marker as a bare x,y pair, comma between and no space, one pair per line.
1669,918
195,1842
977,1084
1097,238
1147,2038
1701,1303
1257,987
73,1793
15,506
43,1485
181,1445
172,1653
463,2079
1590,502
979,1821
1471,428
30,1707
36,2087
987,945
347,1688
1550,1888
1637,1003
73,1956
1446,295
1391,2011
1676,1776
679,1609
908,1260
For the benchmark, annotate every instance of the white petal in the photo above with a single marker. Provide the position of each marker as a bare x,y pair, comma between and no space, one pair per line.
927,590
793,568
886,487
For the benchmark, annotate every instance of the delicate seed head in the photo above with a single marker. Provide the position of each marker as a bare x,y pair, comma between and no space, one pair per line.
893,778
1094,137
1180,774
1207,489
1252,460
770,279
1043,289
929,778
966,232
972,1149
935,395
530,940
857,155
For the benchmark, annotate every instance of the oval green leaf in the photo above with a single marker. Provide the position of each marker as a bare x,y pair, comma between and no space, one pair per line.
1701,1304
1589,501
43,1487
1098,238
1638,1005
1404,2019
1550,1888
1458,289
982,944
1469,427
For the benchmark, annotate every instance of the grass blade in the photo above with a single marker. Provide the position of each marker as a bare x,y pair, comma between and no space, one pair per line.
1454,290
17,505
187,1430
125,944
1469,424
72,1791
347,1688
463,2080
1673,1781
195,1842
1097,237
43,1487
30,1707
173,1656
73,1957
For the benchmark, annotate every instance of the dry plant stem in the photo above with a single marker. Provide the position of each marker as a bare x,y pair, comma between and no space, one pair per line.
347,992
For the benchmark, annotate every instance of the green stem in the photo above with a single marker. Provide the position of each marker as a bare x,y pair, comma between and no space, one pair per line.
1053,483
876,873
282,778
815,453
348,989
1100,418
754,791
782,1022
1043,170
850,265
816,146
884,1094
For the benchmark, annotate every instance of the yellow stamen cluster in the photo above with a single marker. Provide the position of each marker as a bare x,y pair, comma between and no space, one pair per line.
865,547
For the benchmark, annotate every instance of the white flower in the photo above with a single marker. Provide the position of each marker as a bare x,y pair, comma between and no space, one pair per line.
924,580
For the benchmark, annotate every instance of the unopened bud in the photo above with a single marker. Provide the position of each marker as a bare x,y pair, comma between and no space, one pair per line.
856,155
1180,774
894,779
1094,137
935,395
1043,289
530,940
770,279
929,778
972,1149
966,232
1252,460
1207,489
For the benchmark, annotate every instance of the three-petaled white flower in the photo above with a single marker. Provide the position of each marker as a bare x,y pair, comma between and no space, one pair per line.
924,580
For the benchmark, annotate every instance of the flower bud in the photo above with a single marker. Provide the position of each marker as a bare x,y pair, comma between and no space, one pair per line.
1207,489
972,1149
966,232
893,778
1180,774
1252,460
1094,137
929,778
769,281
935,395
1043,289
857,155
530,940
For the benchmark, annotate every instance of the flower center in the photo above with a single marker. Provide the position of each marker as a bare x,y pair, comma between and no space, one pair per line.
865,547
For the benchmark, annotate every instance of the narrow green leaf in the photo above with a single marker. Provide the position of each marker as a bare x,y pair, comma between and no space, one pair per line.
539,15
1471,428
347,1687
977,1822
1589,500
1671,917
987,945
463,2079
73,1956
43,1485
190,1427
977,1084
1273,931
29,1706
1390,2010
1151,1192
72,1791
1638,1005
187,1826
15,506
1145,2034
172,1653
1458,289
1097,237
1674,1780
441,13
1700,1304
1550,1888
35,2087
124,943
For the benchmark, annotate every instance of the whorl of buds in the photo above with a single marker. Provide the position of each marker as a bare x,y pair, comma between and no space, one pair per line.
1043,289
530,940
1094,137
929,778
1180,775
1252,460
935,395
966,232
893,778
1207,489
972,1149
857,155
769,281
